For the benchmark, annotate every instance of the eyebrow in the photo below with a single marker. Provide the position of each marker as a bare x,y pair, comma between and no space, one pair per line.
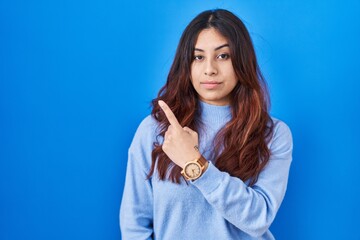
217,48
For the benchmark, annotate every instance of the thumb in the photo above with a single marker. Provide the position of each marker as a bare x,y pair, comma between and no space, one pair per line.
189,130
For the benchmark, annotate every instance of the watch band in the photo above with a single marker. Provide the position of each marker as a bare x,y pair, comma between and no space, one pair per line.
202,161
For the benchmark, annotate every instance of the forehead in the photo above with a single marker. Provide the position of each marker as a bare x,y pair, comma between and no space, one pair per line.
209,39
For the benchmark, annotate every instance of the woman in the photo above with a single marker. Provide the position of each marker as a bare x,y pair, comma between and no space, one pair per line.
209,162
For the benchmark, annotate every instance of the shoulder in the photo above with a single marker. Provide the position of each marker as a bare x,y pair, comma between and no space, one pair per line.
146,132
280,127
281,140
143,143
149,122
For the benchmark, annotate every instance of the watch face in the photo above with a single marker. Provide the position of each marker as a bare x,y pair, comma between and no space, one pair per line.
192,170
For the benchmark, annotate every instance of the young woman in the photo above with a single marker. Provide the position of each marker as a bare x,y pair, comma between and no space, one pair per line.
209,162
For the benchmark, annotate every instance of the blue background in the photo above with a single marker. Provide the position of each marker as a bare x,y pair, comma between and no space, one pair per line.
77,77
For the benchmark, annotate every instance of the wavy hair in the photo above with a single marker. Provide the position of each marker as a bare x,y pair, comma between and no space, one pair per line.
241,145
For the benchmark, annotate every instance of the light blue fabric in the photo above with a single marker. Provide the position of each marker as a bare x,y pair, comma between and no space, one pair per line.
215,206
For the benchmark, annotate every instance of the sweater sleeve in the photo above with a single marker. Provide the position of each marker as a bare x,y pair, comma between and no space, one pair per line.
136,214
251,209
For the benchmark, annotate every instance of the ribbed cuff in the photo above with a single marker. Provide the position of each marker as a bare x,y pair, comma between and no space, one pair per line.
210,180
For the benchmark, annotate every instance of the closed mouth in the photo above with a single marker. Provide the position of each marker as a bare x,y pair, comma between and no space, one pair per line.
210,84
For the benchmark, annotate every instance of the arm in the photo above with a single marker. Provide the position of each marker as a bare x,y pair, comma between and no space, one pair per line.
136,207
251,209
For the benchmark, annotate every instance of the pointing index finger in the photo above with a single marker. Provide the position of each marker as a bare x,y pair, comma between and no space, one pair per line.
169,114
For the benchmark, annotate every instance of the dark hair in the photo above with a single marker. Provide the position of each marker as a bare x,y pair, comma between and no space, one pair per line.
241,145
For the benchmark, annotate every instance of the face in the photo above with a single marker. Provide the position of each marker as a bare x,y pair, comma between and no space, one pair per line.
212,72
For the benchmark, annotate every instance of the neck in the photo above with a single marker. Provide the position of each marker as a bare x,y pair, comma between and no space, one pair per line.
214,113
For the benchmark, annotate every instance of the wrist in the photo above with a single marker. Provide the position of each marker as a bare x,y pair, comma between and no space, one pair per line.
195,168
191,159
206,164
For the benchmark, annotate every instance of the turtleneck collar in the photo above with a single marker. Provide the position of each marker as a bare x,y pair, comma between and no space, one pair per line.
213,113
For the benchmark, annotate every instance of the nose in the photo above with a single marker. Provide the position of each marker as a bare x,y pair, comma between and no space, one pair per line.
210,68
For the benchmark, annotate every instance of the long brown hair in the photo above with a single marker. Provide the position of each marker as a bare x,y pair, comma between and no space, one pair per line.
241,145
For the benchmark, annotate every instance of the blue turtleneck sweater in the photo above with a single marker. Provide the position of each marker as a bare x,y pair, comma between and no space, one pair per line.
215,206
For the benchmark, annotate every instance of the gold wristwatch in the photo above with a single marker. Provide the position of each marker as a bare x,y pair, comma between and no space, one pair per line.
195,168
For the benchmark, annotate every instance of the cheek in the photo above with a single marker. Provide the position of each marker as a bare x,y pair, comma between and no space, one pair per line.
233,84
232,81
232,76
195,74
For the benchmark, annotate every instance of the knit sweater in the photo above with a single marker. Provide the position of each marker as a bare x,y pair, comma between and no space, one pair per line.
216,205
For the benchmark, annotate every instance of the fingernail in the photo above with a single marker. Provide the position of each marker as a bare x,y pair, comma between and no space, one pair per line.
160,103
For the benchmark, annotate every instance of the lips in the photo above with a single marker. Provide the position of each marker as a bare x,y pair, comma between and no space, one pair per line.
210,84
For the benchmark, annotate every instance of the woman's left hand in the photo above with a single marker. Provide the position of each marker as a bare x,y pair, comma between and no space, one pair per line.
180,143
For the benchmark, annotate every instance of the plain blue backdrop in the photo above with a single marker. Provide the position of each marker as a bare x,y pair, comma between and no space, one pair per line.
77,77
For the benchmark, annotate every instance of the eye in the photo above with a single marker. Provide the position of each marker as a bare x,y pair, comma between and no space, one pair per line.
198,57
223,56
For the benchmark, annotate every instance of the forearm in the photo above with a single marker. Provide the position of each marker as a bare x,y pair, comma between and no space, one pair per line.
250,209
